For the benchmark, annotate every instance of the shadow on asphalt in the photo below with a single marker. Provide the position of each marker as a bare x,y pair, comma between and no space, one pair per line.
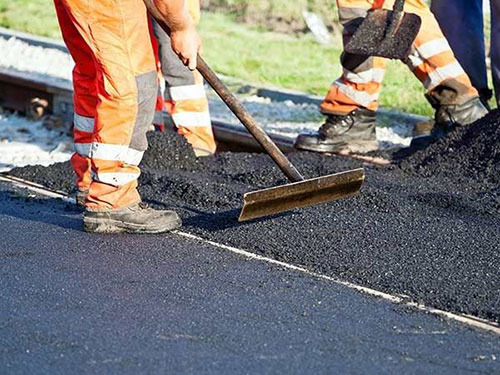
213,221
44,210
223,220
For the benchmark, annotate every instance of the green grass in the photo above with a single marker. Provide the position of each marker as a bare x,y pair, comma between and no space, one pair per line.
250,54
282,60
33,16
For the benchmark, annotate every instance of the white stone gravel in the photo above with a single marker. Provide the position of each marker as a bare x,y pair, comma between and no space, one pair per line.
24,142
289,119
39,146
25,57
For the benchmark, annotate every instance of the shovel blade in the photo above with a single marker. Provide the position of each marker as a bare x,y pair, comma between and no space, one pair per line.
372,39
300,194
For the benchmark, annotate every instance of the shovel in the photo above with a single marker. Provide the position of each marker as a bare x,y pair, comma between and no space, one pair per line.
386,33
300,192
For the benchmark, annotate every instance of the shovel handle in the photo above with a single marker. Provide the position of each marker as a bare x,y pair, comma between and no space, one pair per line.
399,5
247,120
397,15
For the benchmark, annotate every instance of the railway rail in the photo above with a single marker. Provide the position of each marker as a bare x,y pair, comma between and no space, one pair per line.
35,95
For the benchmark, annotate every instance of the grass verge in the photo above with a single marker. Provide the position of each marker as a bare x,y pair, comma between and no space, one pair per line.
32,16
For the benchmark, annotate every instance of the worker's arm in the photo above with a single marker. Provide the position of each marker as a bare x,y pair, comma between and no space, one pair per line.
184,38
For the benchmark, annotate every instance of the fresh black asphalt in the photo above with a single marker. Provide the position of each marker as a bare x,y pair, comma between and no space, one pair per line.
76,303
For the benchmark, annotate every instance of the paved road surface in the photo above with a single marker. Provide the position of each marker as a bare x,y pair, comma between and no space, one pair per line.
73,303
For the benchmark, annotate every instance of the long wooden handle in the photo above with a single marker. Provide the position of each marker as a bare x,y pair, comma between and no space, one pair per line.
399,5
394,21
236,107
247,120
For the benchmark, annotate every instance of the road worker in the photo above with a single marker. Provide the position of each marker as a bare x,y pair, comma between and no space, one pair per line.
351,104
184,99
462,24
115,88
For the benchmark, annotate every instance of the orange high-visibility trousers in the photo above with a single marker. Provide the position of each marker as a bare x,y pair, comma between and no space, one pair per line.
431,61
115,87
185,99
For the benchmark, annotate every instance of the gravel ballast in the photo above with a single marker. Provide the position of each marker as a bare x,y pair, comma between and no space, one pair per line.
24,142
435,239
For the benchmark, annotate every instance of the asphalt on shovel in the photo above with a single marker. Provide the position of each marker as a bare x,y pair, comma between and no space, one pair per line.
386,33
300,192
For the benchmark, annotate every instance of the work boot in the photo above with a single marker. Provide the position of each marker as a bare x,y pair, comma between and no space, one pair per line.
81,195
138,218
351,133
447,118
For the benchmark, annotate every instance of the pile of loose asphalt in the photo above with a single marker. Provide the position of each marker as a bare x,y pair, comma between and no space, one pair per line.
427,228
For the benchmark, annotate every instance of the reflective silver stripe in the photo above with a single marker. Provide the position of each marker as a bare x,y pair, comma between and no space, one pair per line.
414,61
192,119
133,157
187,92
110,152
372,75
83,124
362,98
433,48
443,73
115,179
425,51
83,149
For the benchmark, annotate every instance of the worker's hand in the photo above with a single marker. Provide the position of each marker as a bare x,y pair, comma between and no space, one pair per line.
186,43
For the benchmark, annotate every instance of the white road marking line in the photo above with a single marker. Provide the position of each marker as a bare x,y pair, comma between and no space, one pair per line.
468,320
37,188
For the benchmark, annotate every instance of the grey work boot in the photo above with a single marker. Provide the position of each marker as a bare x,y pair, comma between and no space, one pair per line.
485,96
138,218
352,133
81,195
447,118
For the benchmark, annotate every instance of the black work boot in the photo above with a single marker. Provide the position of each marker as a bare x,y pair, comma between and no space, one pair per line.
352,133
447,118
138,218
